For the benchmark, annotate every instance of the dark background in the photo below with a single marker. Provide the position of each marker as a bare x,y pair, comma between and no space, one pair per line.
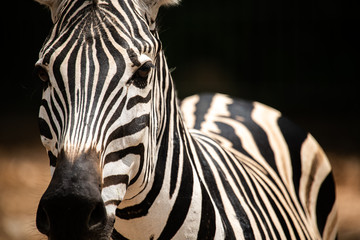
300,57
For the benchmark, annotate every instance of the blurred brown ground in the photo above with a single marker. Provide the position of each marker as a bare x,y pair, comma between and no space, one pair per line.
25,173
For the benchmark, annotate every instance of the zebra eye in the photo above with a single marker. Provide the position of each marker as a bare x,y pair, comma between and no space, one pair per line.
139,79
42,73
144,70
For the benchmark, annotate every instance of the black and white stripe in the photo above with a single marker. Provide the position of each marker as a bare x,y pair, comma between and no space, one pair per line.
280,172
214,168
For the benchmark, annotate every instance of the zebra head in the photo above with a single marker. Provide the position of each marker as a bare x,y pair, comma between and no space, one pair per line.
101,66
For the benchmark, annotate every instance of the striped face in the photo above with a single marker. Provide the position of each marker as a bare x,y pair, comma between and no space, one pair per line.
99,66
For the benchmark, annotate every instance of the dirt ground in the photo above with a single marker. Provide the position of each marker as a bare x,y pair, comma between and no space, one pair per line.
24,175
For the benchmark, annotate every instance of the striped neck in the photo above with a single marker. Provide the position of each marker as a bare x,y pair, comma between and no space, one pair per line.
172,187
166,157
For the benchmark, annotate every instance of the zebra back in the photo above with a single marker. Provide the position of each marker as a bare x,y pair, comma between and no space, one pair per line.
277,172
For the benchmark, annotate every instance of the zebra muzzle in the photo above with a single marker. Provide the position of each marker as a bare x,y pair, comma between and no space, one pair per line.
72,207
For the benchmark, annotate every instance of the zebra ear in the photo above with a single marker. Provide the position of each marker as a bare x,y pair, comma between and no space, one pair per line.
152,6
53,5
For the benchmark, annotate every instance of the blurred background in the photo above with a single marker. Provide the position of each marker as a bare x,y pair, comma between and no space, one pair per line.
301,57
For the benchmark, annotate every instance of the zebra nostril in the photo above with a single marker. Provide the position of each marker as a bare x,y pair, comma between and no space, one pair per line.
42,221
97,216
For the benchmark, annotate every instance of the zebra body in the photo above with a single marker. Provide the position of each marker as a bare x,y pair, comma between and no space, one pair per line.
272,168
236,184
129,162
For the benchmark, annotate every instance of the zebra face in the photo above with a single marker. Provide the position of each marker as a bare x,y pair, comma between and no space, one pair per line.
99,67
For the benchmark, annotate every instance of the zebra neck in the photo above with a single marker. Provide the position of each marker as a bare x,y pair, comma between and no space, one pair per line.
171,135
177,192
173,201
173,187
171,204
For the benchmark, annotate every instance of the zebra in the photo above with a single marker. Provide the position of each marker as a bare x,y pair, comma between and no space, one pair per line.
130,161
